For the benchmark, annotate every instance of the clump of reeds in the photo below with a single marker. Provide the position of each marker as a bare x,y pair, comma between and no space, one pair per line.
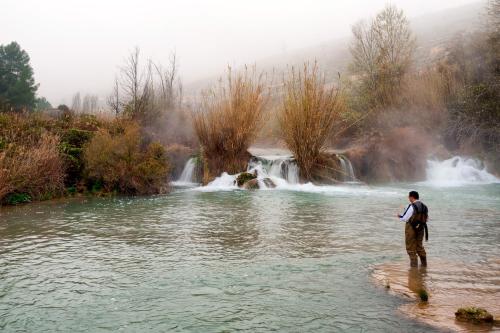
228,122
33,171
308,114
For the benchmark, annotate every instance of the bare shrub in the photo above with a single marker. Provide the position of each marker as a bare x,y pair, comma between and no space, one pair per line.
115,159
382,54
228,122
36,170
308,114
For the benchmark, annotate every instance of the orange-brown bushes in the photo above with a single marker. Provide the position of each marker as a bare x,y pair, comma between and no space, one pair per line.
116,160
31,171
307,116
228,123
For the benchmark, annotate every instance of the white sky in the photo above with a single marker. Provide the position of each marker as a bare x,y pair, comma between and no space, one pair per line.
78,45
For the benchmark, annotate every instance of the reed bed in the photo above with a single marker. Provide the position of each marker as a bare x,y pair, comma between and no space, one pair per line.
34,171
308,114
228,121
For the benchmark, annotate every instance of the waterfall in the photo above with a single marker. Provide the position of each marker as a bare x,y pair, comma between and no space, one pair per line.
347,169
282,167
272,171
187,174
277,171
458,171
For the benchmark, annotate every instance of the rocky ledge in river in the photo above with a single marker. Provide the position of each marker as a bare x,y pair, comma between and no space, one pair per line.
249,181
474,315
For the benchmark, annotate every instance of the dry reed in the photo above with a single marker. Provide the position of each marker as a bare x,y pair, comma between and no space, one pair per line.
228,122
309,111
36,170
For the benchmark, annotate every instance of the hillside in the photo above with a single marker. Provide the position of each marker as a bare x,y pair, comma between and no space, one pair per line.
433,31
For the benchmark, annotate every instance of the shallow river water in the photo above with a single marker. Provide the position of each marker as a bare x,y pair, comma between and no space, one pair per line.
291,260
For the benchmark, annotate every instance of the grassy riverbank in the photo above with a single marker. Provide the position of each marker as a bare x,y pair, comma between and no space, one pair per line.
43,157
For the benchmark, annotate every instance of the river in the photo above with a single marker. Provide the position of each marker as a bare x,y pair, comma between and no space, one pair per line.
296,259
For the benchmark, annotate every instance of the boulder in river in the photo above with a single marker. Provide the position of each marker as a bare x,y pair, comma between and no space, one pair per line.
244,177
254,184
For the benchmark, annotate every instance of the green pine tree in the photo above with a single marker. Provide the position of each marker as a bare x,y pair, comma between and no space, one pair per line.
17,84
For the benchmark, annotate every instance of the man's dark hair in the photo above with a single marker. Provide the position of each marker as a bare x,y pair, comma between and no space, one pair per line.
413,194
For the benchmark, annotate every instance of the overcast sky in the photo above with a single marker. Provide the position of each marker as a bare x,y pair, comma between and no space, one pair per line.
78,45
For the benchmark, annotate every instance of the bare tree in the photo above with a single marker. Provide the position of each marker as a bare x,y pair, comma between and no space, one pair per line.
113,100
135,85
364,51
76,103
170,88
144,92
94,103
382,54
394,40
493,19
86,104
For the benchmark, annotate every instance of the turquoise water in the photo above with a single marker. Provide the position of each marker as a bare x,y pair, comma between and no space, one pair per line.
223,261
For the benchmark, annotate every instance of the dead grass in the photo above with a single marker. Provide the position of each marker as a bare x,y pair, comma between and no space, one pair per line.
308,115
34,170
228,122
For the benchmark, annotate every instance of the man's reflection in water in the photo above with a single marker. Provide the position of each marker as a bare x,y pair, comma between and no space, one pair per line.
416,279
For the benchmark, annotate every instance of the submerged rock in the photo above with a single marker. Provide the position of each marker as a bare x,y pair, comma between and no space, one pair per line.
474,315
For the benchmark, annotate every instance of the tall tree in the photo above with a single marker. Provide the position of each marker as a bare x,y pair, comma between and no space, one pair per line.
382,54
17,84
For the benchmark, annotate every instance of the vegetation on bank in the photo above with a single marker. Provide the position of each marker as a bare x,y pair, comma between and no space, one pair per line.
43,157
390,113
447,105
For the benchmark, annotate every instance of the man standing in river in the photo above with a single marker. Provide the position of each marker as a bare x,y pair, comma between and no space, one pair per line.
415,217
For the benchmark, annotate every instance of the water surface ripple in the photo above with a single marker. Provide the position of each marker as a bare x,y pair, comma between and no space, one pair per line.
259,261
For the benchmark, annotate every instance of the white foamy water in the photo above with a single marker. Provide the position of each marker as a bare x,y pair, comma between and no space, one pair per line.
284,173
458,171
187,175
347,169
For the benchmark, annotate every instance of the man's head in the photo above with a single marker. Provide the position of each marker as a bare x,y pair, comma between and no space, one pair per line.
413,196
